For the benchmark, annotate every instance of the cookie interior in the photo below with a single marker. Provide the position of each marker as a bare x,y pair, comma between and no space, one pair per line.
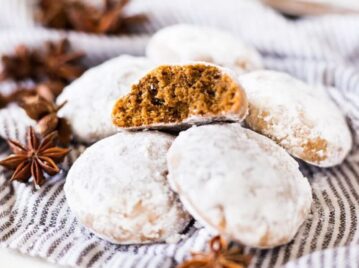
173,93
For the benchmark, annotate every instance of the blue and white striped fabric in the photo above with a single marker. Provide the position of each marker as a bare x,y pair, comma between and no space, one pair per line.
322,51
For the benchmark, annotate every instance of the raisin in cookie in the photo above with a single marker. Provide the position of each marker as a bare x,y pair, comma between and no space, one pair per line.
297,116
119,190
183,43
239,183
92,96
180,95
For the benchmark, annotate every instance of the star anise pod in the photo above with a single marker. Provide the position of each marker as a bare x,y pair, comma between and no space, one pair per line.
16,96
3,101
48,90
219,256
55,62
38,157
45,113
76,15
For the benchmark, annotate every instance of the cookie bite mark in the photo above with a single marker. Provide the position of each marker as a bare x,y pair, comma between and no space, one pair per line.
175,94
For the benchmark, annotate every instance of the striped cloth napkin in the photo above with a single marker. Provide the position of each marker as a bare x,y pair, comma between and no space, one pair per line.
323,51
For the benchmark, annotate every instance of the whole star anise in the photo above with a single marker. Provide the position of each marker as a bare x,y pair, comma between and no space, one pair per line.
60,63
53,62
77,15
23,64
45,113
220,256
35,159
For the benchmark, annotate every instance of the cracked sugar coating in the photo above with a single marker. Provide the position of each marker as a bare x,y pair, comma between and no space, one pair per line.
183,43
92,96
179,95
118,189
239,183
297,116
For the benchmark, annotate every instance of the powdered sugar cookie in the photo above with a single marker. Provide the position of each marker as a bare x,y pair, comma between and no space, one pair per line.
183,43
297,116
180,95
239,183
92,96
119,190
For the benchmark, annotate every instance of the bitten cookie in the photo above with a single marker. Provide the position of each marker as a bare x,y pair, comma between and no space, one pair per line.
92,96
181,95
183,43
297,116
239,184
118,189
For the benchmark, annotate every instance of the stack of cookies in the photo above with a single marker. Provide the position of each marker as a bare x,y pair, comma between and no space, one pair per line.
198,131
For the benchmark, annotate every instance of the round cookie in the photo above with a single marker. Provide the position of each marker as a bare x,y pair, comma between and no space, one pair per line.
239,183
118,189
297,116
183,43
177,96
92,96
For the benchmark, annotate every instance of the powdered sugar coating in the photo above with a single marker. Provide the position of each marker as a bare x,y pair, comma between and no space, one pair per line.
92,96
119,190
299,117
182,42
239,183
